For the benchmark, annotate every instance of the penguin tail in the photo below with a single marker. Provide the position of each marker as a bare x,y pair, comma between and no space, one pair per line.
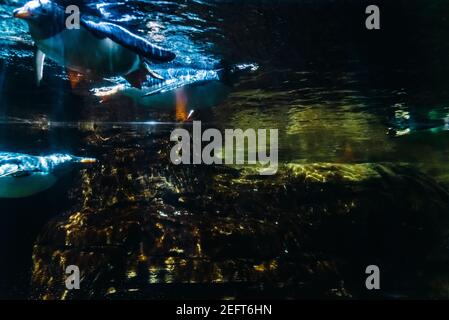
138,77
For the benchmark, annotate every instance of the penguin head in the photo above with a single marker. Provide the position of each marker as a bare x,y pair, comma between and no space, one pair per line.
36,10
44,17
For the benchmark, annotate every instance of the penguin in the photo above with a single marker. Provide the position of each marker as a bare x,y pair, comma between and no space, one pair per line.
23,175
184,89
95,48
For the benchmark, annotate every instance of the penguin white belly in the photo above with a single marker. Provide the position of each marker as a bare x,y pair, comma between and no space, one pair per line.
79,50
195,96
21,187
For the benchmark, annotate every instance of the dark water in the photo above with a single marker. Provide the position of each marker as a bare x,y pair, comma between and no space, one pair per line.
336,91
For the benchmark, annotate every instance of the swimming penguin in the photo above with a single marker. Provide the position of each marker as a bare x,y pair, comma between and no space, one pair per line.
95,48
24,175
182,88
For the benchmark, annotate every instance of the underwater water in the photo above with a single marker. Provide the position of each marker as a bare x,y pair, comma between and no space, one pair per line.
338,93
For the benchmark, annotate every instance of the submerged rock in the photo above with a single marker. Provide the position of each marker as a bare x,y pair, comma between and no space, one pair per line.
148,229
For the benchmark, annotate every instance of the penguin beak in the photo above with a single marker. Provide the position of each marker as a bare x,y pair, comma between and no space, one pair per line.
21,13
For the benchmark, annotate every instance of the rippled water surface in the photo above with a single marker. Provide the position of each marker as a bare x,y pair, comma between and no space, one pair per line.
337,92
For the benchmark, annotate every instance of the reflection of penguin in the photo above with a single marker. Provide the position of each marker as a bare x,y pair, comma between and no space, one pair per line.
23,175
97,48
181,87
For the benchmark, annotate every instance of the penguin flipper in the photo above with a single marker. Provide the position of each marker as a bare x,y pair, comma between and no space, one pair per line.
11,170
3,175
129,40
139,76
39,58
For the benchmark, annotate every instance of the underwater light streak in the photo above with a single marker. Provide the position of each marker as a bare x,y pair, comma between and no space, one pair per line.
76,124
